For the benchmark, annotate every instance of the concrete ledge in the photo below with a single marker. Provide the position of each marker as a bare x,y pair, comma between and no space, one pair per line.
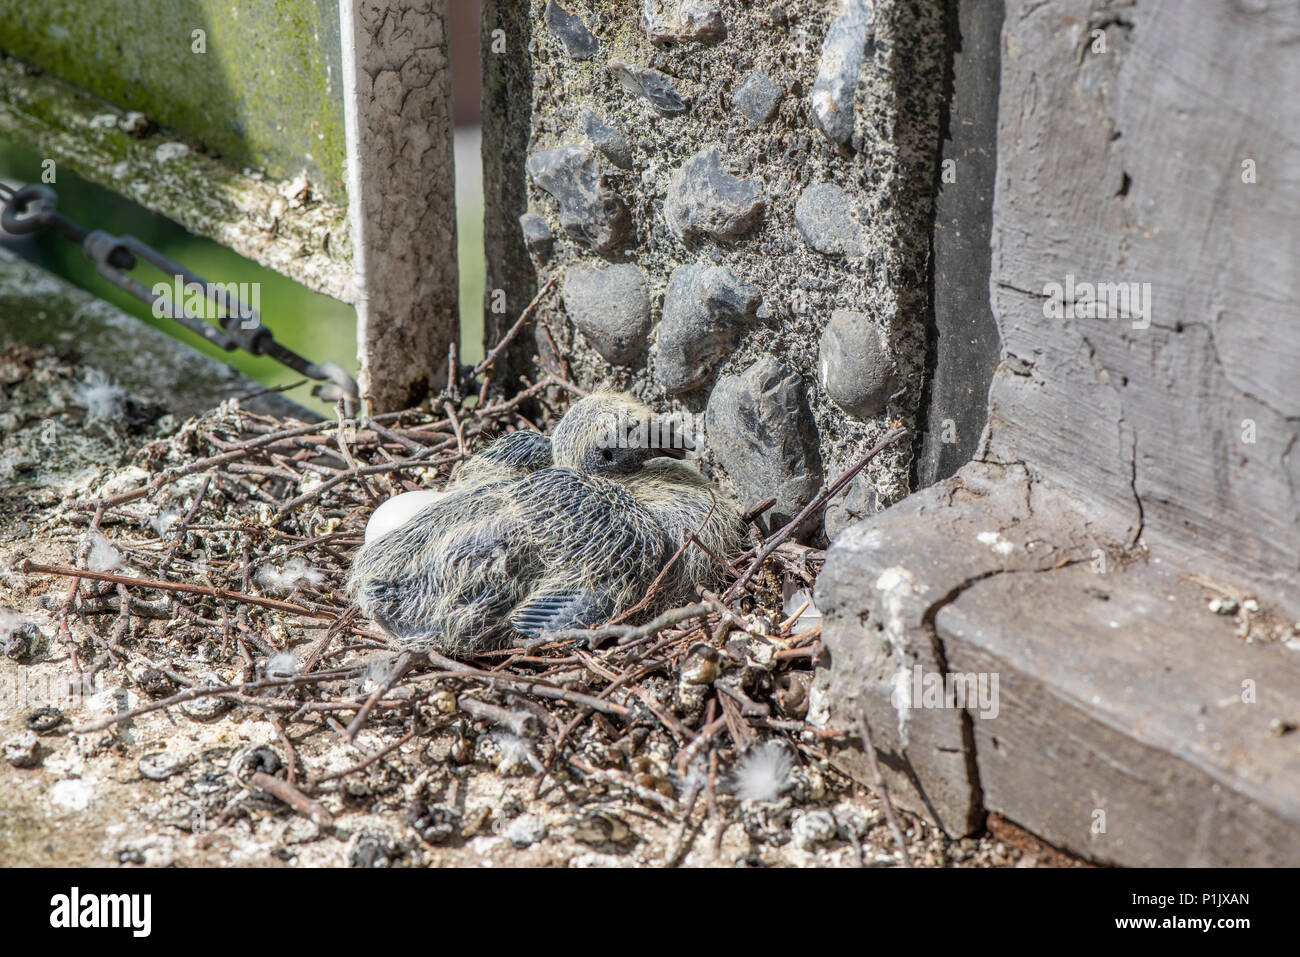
1138,460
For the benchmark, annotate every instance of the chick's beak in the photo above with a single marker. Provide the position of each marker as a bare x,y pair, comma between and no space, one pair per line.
670,441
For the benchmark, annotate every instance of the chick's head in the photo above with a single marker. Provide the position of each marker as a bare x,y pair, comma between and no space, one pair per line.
607,433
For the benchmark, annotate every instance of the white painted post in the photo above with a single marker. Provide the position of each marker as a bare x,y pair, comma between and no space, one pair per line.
401,195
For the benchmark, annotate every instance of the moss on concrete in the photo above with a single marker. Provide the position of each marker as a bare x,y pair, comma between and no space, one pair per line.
279,225
266,93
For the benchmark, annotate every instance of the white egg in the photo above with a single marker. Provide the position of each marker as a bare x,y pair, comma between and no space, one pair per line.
394,513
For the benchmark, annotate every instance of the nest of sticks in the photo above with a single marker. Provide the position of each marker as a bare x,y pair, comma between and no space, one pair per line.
212,573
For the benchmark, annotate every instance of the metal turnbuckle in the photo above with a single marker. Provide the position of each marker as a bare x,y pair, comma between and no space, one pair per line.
32,208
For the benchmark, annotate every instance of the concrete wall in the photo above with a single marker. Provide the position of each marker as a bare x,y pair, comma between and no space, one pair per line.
709,204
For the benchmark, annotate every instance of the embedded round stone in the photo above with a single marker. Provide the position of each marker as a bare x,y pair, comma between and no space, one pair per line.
855,365
837,75
762,432
590,211
652,86
859,502
611,307
822,214
756,99
672,21
705,308
704,200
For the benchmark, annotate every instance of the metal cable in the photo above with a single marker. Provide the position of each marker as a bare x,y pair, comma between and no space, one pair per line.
32,208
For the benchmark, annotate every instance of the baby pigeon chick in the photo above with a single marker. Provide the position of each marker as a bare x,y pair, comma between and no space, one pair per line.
512,456
565,546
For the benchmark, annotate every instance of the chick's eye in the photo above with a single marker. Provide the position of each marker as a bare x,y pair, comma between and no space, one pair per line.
607,455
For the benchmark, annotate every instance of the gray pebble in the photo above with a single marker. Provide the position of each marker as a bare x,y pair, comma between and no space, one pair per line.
611,307
837,76
207,708
606,139
537,233
20,750
600,827
756,99
761,430
823,215
590,211
20,639
703,199
855,363
571,31
158,767
705,307
671,21
525,831
653,86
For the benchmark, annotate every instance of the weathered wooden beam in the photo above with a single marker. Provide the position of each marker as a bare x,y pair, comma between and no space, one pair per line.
397,100
1138,462
254,81
272,223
